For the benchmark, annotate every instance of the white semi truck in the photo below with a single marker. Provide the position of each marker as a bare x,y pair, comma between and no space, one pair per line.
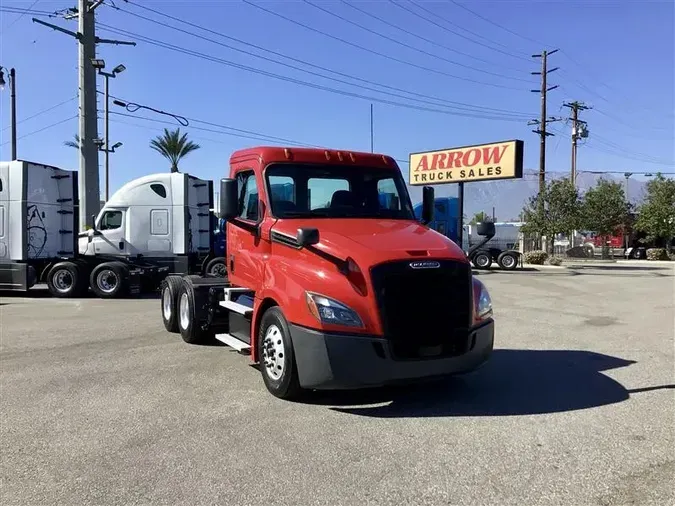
152,226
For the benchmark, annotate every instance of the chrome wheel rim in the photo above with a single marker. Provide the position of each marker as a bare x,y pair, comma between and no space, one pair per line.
508,261
482,260
184,311
106,281
273,353
166,303
62,280
218,269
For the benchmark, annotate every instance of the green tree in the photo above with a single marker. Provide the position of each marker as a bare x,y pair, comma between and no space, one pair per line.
656,216
173,146
73,144
605,209
560,212
480,217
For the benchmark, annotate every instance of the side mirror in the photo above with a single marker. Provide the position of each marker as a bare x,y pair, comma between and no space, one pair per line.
93,222
486,229
427,205
229,199
307,236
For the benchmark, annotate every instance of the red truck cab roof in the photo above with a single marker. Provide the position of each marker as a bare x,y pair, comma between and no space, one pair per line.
270,154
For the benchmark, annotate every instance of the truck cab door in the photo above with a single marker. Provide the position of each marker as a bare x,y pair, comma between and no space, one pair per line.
244,251
109,238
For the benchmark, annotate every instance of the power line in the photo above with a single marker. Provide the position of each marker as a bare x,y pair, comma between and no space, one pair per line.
500,26
455,104
383,55
452,31
391,39
43,112
42,129
214,59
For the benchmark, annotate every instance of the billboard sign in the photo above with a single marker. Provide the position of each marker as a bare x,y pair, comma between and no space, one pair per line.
485,162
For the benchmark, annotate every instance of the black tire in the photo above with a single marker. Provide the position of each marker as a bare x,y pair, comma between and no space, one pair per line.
109,280
169,297
216,266
482,260
507,261
188,326
273,332
64,280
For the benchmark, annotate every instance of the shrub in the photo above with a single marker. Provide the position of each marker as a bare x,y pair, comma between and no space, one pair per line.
536,257
555,261
657,254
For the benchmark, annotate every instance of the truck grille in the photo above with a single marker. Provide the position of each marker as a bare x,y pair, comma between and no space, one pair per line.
425,312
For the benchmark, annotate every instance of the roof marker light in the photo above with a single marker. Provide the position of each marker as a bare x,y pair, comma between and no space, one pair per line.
351,157
384,159
287,153
327,155
339,156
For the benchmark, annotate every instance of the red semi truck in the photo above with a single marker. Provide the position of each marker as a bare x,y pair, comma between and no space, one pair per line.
330,285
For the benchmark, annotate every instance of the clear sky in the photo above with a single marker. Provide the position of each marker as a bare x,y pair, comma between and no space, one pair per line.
452,77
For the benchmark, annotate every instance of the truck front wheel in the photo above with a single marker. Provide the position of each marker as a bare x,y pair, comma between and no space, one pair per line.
216,266
482,260
277,358
109,280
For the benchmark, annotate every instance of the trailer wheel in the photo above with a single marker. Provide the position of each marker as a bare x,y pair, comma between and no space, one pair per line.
482,260
64,281
216,266
277,358
188,326
170,287
507,261
109,280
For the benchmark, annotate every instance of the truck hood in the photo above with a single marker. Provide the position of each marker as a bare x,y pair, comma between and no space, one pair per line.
373,241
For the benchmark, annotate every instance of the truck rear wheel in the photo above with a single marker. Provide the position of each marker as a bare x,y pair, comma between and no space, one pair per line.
277,358
65,280
170,287
109,280
188,326
507,261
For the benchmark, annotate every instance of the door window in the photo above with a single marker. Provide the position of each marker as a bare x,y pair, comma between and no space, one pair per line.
248,197
111,220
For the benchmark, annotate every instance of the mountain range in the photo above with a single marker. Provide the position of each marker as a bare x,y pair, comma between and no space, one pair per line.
509,196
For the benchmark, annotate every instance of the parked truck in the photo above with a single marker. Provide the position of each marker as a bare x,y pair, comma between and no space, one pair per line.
333,286
483,251
153,225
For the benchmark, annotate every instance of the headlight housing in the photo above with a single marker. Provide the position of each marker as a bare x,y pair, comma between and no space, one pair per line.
482,301
331,312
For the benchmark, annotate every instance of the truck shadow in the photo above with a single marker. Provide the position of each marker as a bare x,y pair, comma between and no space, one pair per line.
513,382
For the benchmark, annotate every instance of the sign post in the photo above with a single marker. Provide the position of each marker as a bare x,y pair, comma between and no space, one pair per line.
483,162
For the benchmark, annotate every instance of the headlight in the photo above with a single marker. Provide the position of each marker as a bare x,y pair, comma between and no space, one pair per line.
331,312
482,301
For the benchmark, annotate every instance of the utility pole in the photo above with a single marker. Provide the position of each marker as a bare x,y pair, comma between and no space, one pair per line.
579,130
88,177
372,138
543,121
100,65
12,93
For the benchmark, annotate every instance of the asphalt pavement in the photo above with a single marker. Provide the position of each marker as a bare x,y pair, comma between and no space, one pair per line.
100,405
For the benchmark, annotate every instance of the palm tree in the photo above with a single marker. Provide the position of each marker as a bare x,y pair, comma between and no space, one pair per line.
173,146
72,144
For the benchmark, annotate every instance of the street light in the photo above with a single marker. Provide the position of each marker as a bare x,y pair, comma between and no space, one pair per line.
100,65
12,88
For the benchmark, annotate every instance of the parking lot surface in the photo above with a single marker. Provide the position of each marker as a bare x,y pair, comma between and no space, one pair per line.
100,405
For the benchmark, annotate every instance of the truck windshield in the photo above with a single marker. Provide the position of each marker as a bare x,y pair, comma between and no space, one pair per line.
334,191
